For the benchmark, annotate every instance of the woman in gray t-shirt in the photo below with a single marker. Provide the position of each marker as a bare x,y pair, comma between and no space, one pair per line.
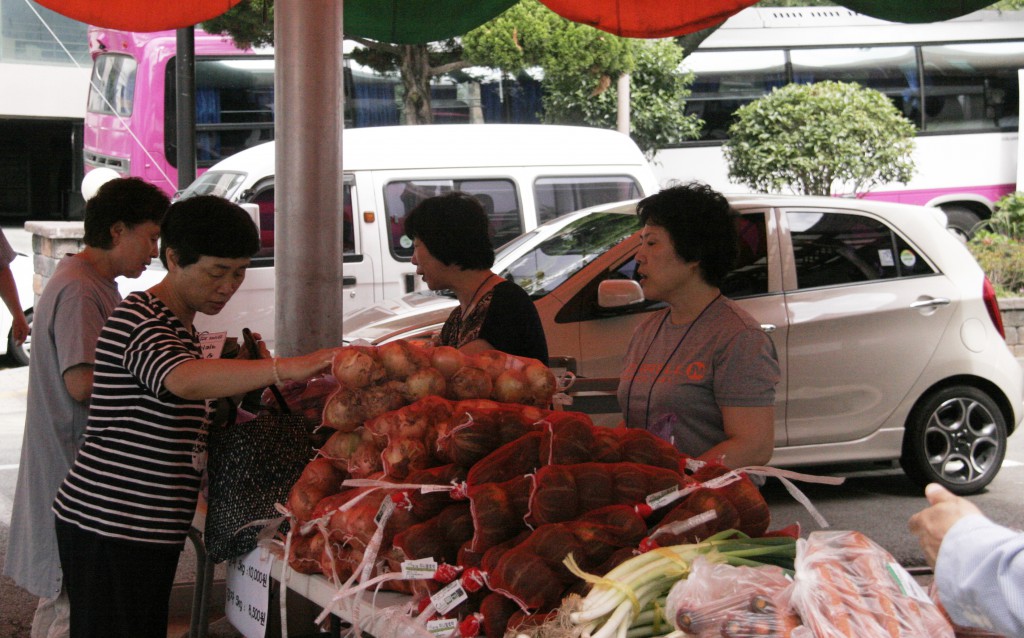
700,373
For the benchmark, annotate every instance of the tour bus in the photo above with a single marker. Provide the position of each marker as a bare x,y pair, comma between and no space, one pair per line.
522,174
131,124
955,80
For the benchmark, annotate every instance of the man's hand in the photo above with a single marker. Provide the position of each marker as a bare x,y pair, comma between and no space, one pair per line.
931,524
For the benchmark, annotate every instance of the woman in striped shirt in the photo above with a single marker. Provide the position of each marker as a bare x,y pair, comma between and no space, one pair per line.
124,510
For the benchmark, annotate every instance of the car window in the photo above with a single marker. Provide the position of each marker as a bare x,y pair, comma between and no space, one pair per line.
834,248
557,196
264,198
560,256
498,197
750,275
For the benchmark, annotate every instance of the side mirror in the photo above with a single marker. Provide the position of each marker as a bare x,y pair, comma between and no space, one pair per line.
254,213
616,293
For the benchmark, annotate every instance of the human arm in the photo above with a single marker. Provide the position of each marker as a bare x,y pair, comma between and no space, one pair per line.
214,378
931,525
78,381
750,437
9,294
979,565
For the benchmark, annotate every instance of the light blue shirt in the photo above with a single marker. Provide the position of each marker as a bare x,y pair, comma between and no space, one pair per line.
980,575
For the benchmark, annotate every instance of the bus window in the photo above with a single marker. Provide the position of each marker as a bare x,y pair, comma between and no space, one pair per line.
889,70
234,107
727,80
498,197
972,86
112,86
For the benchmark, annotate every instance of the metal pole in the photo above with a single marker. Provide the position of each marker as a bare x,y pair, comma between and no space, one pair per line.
309,190
185,105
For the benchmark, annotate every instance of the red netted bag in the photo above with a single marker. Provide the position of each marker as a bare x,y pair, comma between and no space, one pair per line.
356,453
511,460
424,505
477,427
498,510
754,515
318,480
410,433
678,527
438,538
565,492
532,573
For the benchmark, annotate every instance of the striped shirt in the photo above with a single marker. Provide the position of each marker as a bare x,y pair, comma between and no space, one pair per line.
137,475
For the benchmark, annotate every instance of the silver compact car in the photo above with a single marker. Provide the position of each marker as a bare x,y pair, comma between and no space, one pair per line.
888,333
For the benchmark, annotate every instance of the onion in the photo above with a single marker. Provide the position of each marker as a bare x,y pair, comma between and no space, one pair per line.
447,360
342,411
365,460
494,362
541,381
400,359
423,383
357,367
382,398
470,383
511,387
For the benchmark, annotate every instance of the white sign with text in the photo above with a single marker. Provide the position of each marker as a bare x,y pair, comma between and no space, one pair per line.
248,592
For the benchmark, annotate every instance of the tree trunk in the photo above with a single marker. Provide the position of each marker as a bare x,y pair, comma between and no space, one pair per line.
415,63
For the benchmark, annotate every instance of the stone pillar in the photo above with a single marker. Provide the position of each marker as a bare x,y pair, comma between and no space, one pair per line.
50,242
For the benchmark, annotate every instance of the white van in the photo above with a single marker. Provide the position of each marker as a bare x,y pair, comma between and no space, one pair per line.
523,174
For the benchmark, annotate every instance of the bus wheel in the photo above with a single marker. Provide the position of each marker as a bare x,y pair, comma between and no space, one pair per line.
961,220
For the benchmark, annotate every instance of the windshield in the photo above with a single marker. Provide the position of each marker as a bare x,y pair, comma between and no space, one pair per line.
560,256
219,183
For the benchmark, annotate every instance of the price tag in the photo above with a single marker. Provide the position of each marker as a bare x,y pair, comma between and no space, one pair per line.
442,627
418,569
212,344
384,512
449,597
662,498
247,587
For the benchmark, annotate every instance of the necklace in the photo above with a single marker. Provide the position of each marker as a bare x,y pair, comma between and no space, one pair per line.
629,391
469,308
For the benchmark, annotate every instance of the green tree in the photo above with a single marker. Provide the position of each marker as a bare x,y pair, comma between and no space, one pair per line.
820,139
580,66
251,23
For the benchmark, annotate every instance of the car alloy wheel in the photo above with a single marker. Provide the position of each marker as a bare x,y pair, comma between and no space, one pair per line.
955,437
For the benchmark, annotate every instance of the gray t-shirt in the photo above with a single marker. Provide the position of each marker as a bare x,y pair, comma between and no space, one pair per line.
676,378
7,253
68,318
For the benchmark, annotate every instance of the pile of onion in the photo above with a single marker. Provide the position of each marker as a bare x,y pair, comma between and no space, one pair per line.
375,379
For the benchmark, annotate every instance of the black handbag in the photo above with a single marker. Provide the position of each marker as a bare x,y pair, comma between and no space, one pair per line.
252,466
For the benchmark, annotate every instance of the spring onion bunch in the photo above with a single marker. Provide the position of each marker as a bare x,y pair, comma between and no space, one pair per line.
627,602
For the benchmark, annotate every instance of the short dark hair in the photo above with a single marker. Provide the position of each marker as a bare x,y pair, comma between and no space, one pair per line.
129,200
207,225
454,228
700,222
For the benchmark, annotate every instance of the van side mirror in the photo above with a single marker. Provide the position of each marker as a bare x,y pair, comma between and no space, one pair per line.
254,213
616,293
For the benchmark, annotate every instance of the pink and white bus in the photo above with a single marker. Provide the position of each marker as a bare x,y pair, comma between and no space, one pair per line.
956,80
130,123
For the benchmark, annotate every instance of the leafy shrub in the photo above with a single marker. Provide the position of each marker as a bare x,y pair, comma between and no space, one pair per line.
1002,259
820,139
997,245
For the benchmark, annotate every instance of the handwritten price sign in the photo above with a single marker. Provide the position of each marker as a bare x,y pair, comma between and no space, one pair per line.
248,592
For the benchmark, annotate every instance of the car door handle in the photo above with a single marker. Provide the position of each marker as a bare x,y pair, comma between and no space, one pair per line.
931,303
769,328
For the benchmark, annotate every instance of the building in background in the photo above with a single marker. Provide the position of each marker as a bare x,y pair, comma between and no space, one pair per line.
44,74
